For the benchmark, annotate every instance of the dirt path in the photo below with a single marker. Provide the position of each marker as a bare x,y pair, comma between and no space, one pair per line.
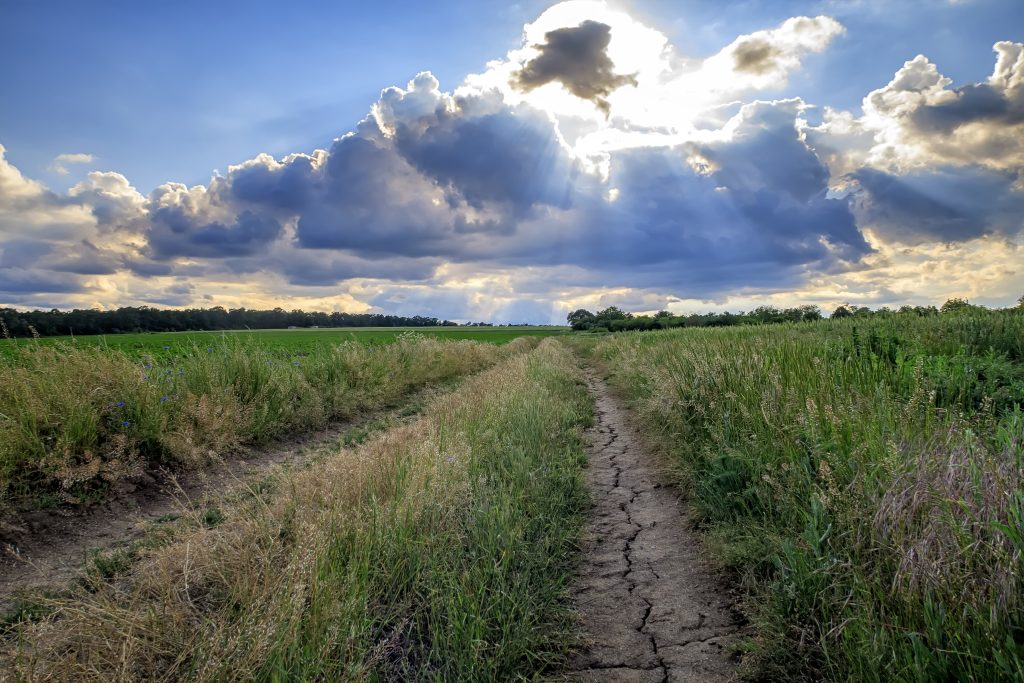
651,610
48,548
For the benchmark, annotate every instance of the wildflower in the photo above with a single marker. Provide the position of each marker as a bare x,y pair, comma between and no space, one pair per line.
167,348
148,366
167,372
125,422
164,399
120,404
209,349
295,362
181,372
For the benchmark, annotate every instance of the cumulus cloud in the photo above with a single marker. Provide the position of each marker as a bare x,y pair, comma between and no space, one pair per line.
917,120
594,165
940,204
61,162
577,58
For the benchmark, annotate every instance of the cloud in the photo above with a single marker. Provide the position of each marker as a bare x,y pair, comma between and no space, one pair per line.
545,183
917,120
61,162
577,58
765,59
940,204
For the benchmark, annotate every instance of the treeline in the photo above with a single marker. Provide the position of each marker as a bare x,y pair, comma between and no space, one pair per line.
145,319
613,319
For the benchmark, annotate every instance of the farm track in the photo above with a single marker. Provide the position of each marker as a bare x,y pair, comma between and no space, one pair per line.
651,610
45,550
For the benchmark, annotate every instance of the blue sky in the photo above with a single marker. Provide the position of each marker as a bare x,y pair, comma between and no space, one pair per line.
170,92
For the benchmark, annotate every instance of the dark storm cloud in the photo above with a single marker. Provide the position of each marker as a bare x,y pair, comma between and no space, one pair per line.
949,204
180,294
23,252
286,186
325,268
370,199
512,157
173,232
756,56
87,259
578,59
978,102
760,207
30,281
444,173
83,258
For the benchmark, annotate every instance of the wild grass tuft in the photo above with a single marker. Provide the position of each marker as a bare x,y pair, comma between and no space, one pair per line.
73,419
437,550
863,479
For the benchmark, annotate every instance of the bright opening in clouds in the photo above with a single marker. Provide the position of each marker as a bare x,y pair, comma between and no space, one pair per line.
594,163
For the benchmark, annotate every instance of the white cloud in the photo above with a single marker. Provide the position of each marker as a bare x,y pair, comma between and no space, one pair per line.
61,162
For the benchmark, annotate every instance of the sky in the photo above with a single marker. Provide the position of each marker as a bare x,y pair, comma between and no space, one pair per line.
478,160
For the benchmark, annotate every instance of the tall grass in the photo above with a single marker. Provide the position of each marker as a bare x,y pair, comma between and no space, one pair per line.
440,550
863,478
76,418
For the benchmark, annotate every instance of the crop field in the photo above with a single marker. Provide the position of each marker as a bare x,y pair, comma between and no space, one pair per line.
862,480
294,341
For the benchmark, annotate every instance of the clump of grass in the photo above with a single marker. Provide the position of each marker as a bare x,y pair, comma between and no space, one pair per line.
438,550
73,419
862,478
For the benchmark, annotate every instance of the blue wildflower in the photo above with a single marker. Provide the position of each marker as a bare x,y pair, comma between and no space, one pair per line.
167,348
209,349
125,422
120,404
181,372
295,362
164,399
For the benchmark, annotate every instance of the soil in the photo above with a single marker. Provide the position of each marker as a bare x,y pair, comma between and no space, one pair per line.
47,549
651,609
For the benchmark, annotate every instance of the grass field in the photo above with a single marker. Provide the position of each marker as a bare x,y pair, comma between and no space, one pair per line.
863,479
438,551
75,419
296,341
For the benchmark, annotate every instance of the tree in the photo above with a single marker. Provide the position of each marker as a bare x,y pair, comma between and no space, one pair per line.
580,319
955,305
810,312
841,312
1020,301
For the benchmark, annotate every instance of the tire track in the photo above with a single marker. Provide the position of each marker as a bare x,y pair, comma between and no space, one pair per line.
650,608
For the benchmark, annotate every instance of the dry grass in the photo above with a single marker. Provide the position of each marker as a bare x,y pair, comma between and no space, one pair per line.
75,419
438,549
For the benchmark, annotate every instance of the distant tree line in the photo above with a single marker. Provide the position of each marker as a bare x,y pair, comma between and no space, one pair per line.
146,319
613,319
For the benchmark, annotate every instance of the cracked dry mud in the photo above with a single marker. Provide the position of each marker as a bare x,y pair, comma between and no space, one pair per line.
651,610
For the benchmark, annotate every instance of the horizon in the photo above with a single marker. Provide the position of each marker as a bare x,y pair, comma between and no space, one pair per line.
493,163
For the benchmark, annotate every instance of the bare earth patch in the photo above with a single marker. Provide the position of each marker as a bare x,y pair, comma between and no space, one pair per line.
651,609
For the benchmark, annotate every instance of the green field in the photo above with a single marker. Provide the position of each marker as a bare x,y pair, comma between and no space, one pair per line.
296,341
863,480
